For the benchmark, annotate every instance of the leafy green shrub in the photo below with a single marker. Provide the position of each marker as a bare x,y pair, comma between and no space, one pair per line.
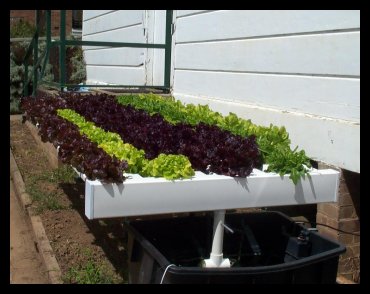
16,77
14,106
77,62
17,53
22,29
76,68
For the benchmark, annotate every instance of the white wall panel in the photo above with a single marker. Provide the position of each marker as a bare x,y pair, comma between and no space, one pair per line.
112,21
181,13
116,57
328,97
231,24
108,65
326,54
115,75
132,34
88,14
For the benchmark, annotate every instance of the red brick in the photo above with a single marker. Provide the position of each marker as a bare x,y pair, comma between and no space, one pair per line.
356,262
346,239
347,254
350,267
333,223
343,189
331,210
25,15
356,276
29,15
349,225
346,266
347,212
321,218
330,233
356,239
354,250
344,199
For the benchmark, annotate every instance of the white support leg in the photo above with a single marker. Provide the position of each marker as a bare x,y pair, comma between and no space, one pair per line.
216,258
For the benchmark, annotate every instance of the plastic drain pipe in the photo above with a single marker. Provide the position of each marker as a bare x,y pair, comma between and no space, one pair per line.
216,258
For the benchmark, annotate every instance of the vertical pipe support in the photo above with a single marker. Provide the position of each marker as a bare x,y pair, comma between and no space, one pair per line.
62,50
168,48
216,257
35,53
48,41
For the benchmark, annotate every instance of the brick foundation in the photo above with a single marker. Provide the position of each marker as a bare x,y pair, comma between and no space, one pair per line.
344,215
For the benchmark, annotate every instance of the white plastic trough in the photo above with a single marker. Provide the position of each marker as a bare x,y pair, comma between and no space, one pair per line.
146,196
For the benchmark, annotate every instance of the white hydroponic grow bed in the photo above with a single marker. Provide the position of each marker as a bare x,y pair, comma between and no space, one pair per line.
145,196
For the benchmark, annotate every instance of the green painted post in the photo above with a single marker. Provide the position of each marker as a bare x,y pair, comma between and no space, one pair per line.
35,53
168,48
48,41
62,49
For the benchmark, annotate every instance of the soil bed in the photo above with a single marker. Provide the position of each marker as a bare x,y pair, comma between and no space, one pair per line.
88,251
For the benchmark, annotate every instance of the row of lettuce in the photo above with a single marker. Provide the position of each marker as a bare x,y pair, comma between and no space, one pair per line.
74,148
161,137
208,148
273,142
168,166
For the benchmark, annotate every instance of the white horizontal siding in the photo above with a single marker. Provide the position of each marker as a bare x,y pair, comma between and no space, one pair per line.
231,24
116,57
330,97
88,14
112,21
111,65
181,13
132,34
326,54
331,141
115,75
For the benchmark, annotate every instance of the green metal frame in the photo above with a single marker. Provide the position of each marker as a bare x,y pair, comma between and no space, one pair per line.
63,42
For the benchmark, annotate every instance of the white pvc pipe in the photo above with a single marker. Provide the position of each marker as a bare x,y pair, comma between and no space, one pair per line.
216,257
218,232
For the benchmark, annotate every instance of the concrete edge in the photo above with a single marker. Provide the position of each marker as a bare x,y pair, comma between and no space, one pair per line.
15,117
43,244
19,185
